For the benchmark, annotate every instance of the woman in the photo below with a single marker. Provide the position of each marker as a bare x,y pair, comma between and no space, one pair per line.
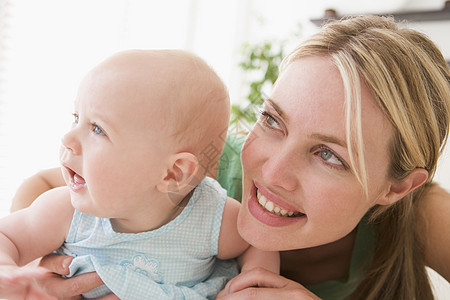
336,169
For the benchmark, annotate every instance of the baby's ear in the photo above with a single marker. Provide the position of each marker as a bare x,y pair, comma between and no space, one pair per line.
181,172
400,189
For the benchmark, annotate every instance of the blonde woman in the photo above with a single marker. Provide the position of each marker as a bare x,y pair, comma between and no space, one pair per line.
337,172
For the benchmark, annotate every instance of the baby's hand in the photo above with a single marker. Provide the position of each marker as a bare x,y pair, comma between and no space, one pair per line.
22,283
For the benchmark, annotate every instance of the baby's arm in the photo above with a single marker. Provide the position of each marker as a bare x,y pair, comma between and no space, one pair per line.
253,257
35,185
31,233
232,245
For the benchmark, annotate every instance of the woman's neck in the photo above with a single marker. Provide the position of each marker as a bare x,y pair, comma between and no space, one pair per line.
318,264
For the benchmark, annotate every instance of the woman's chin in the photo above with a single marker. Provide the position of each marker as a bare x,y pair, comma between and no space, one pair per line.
258,235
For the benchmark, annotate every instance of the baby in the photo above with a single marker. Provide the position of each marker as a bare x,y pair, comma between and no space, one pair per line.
139,207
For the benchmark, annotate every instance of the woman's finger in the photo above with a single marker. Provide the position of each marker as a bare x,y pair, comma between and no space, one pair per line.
66,288
25,274
269,294
58,264
39,295
262,284
257,277
75,286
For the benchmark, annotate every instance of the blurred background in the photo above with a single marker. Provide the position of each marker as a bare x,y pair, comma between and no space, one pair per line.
47,46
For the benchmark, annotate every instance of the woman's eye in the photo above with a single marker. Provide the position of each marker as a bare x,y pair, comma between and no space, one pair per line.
330,158
97,130
269,120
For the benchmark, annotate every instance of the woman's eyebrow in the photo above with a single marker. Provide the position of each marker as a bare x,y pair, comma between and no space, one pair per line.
278,109
318,136
329,139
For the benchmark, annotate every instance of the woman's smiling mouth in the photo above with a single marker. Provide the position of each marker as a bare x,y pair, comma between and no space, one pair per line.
269,212
271,207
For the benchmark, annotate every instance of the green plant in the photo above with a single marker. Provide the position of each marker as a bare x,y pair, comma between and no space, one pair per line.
262,61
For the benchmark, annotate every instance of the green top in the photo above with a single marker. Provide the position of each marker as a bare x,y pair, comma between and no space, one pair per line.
362,252
230,177
229,173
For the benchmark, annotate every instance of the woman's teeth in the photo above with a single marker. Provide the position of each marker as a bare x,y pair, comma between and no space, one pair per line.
271,207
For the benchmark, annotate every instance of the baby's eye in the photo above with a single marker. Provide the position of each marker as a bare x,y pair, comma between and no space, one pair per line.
76,118
97,130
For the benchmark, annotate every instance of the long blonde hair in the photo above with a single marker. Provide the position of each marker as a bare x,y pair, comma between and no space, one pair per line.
410,81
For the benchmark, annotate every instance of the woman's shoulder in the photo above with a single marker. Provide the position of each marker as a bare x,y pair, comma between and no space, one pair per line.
433,225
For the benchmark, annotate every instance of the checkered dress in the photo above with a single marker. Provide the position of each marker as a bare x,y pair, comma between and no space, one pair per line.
175,261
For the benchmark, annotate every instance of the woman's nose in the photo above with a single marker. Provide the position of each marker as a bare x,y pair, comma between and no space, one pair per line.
279,170
70,142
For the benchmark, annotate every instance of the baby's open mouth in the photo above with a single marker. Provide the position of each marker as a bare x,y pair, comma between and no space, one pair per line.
271,207
76,181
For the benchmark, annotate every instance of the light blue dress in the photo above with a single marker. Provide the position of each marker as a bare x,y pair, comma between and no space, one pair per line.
175,261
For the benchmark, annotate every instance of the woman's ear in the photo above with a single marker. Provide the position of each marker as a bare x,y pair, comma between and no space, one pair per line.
398,190
181,172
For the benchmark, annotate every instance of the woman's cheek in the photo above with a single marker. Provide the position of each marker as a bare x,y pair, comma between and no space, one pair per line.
251,150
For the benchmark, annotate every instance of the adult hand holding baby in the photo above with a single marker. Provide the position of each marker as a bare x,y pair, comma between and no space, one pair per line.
23,283
73,287
261,284
46,282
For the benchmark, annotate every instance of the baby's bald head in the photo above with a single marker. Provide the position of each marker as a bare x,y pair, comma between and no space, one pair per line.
182,95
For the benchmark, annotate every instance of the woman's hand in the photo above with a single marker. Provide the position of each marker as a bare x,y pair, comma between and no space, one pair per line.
261,284
67,288
23,283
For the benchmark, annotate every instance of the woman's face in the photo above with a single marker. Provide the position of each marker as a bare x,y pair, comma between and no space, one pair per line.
299,190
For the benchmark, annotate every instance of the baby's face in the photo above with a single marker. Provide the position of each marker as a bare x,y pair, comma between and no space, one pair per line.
134,113
116,149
